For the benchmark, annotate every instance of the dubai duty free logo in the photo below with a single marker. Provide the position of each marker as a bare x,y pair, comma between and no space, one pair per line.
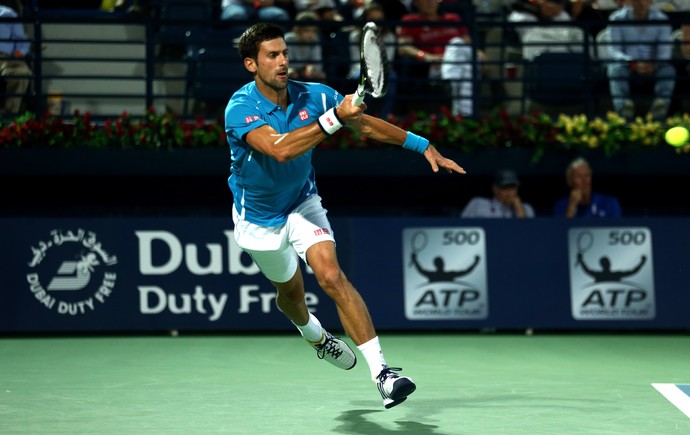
611,273
70,272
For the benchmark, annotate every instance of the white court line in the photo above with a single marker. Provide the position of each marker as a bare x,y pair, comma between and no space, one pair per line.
674,395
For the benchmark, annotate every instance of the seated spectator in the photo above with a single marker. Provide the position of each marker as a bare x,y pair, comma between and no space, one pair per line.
263,10
304,49
14,46
427,45
582,202
540,39
374,12
640,52
505,202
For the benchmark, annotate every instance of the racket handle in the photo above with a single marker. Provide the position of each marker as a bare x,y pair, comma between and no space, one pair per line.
359,96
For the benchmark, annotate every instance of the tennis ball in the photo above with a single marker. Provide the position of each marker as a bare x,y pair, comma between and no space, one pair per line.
677,136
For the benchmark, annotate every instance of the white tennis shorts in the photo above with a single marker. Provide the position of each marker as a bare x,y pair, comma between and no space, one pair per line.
275,250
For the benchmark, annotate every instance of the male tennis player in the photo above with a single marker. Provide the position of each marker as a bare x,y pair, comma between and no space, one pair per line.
272,126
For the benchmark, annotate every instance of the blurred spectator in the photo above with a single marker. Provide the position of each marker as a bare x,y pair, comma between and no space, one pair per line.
678,9
335,47
328,8
14,46
395,9
540,39
426,45
685,39
505,203
350,9
263,10
608,6
640,52
374,12
587,13
327,11
582,202
494,7
304,47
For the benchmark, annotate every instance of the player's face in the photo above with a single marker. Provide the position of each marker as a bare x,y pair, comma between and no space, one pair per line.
271,65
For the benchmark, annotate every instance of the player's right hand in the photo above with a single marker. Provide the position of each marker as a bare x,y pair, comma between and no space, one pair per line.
349,113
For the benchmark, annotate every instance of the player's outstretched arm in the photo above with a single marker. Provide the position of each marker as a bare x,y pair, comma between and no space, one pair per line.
383,131
287,146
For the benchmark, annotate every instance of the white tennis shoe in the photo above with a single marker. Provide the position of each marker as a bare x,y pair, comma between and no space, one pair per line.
394,388
335,351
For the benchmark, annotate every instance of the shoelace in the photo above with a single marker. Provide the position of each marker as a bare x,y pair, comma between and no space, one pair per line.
388,373
330,347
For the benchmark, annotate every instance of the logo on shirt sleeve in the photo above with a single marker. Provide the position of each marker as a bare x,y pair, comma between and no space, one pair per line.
250,119
303,115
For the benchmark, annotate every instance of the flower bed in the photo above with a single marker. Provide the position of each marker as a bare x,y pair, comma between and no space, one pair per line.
535,131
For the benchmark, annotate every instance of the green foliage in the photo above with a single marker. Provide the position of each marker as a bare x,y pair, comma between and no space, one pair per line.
536,131
163,131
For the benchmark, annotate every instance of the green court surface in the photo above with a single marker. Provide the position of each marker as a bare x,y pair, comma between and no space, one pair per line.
467,383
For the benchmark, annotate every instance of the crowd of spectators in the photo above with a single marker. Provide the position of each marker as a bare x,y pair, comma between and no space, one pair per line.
443,44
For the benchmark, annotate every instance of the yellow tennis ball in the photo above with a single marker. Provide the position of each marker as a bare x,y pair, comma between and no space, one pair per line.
677,136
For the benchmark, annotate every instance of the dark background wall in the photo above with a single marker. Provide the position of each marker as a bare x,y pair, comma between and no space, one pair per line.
353,183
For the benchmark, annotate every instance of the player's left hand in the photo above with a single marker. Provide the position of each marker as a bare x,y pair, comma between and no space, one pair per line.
436,160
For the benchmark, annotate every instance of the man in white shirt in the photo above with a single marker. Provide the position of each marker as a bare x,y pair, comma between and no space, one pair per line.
538,39
641,51
505,203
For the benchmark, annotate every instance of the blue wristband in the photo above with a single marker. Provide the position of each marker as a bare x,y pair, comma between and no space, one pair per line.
415,143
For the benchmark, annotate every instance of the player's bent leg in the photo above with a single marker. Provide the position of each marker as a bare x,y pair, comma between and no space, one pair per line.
290,300
352,310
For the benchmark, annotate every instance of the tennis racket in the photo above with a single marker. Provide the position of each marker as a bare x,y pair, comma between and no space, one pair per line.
584,242
419,241
373,65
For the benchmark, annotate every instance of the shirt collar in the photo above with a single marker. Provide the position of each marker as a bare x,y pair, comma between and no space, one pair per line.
269,105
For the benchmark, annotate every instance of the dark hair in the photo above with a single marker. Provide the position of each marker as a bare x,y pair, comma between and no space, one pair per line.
250,40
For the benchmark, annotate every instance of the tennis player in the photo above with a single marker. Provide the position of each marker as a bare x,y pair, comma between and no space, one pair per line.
273,125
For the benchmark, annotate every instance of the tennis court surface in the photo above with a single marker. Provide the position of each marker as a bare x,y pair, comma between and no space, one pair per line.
468,383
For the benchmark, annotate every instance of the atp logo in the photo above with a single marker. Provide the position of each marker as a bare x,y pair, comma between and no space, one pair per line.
79,271
445,273
611,273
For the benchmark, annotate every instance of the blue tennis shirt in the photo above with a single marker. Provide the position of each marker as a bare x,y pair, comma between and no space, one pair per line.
264,190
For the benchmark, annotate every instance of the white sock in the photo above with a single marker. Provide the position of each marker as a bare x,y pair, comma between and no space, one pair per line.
374,355
312,331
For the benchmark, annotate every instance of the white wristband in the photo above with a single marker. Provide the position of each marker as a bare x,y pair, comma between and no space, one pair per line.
329,122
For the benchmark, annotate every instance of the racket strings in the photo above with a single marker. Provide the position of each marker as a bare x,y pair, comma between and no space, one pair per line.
375,64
